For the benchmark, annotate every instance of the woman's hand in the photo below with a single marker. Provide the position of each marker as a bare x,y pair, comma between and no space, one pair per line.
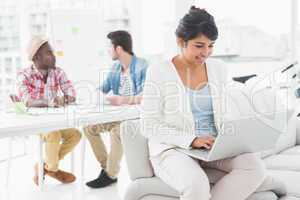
203,142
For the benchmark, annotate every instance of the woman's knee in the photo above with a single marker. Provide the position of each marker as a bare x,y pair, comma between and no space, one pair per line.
253,164
249,161
186,177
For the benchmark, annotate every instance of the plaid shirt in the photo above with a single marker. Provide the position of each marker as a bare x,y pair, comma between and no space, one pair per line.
31,85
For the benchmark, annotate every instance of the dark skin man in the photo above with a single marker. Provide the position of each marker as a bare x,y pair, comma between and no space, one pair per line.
44,60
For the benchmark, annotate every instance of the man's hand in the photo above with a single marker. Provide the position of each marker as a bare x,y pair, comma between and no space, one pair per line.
115,100
203,142
69,99
62,101
14,98
58,102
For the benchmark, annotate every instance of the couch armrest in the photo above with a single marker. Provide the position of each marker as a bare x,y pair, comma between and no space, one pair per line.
135,147
298,130
273,184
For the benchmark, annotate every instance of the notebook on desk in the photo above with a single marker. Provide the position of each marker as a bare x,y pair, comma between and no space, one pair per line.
101,105
44,111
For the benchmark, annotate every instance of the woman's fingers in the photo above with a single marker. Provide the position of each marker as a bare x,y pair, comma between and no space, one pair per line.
206,146
209,141
203,142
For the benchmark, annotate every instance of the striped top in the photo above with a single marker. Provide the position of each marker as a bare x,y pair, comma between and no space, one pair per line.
126,85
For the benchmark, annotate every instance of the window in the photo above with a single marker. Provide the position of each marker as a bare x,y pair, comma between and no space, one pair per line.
155,26
8,81
18,63
8,62
16,27
33,18
251,29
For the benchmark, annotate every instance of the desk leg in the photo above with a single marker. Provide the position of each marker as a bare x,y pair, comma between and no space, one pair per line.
25,145
72,162
41,163
82,157
9,160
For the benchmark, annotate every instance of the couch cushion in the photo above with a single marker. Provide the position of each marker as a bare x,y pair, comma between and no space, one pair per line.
135,147
158,197
291,179
155,189
256,196
283,162
292,151
145,186
286,140
289,198
263,196
273,184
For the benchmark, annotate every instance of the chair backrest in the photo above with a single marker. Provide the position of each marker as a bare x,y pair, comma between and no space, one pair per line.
135,147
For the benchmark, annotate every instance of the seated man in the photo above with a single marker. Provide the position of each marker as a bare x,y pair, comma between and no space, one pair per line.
125,79
39,86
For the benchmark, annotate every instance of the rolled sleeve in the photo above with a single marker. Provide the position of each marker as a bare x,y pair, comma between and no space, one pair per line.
66,85
24,87
106,86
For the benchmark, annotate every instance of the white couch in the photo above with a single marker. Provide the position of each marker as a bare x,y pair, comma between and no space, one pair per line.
283,164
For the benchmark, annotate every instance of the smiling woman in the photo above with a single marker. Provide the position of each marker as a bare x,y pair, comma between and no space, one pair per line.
194,118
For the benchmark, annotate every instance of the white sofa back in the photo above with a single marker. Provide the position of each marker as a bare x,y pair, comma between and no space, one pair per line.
136,151
286,140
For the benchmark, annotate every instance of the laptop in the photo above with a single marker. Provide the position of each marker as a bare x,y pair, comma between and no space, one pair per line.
250,124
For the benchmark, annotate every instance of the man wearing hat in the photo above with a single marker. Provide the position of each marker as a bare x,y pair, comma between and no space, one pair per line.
40,85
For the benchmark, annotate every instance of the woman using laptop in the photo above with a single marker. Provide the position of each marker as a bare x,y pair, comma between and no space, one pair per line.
181,108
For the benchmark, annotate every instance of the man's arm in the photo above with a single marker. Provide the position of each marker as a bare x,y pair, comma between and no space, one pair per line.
39,103
67,89
118,100
131,100
24,89
106,86
69,99
56,102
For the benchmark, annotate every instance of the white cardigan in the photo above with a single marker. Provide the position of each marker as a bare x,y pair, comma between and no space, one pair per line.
166,117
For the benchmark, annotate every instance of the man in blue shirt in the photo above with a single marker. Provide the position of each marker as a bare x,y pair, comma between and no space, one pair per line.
125,80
